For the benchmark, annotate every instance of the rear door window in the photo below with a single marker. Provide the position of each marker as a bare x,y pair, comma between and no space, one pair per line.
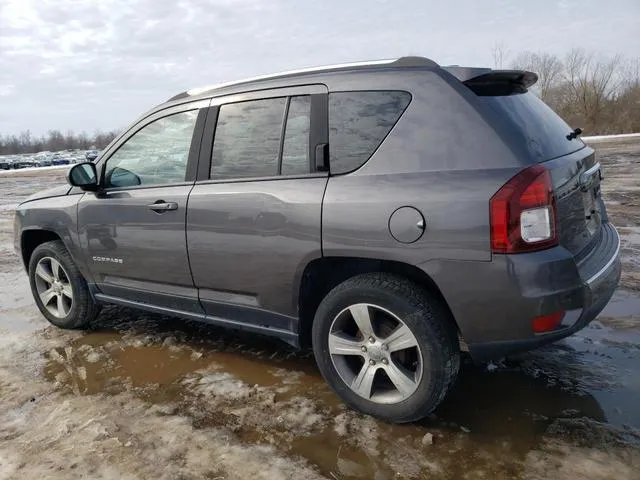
250,141
247,139
358,123
544,132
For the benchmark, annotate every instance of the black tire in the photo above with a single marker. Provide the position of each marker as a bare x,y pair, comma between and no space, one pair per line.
427,318
83,308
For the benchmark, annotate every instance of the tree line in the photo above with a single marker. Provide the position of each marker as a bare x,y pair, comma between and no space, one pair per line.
54,141
600,94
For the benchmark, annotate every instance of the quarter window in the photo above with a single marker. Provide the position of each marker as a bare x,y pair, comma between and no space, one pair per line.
295,149
156,154
359,122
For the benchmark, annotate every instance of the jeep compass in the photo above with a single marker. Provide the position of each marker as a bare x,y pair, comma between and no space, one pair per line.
390,215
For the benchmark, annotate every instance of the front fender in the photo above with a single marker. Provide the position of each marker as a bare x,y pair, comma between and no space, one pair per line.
58,215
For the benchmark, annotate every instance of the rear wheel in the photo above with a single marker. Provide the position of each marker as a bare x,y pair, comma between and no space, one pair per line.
59,289
387,347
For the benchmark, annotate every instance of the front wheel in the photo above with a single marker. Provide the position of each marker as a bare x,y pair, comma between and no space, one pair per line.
59,289
387,347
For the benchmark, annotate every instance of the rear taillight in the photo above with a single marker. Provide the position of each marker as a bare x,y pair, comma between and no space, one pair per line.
523,213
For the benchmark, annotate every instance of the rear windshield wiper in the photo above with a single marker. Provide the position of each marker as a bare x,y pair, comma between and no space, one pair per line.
574,134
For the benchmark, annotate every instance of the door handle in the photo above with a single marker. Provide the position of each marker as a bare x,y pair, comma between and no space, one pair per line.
162,206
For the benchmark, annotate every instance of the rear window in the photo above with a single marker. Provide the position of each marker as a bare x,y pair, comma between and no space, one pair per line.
359,122
544,132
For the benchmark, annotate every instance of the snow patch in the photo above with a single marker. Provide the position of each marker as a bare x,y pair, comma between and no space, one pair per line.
565,462
33,169
604,138
217,384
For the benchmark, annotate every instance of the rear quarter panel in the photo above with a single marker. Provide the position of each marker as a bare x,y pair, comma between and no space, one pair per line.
454,205
441,158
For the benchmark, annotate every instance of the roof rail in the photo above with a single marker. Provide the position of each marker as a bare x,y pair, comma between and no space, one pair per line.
397,62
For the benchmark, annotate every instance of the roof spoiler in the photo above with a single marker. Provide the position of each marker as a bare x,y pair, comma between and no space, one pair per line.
485,81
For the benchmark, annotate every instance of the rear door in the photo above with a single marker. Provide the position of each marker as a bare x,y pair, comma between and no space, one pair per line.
254,214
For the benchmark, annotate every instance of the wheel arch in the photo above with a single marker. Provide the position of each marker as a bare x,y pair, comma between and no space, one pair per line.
321,275
32,239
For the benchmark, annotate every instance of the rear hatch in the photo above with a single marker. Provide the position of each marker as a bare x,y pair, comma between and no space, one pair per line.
548,140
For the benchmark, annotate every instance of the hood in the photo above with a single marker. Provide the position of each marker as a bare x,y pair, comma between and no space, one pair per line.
48,193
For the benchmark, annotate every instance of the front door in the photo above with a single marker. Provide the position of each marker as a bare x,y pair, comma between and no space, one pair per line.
254,220
133,230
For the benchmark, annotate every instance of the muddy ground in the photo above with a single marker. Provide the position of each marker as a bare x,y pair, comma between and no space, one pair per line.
145,396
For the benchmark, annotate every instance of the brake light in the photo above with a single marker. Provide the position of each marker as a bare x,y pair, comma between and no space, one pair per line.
523,213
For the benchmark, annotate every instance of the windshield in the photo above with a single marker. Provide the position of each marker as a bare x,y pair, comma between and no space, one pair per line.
539,126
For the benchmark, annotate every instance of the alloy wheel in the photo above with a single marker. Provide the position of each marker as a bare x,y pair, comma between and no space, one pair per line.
54,287
375,353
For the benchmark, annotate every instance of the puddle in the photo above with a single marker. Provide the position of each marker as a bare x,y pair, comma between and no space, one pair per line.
99,362
111,361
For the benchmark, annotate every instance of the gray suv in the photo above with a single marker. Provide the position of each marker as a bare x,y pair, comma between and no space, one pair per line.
391,215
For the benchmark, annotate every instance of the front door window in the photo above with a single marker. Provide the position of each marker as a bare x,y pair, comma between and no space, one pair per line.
155,155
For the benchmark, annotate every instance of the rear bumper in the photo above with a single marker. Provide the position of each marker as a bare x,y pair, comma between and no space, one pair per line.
538,284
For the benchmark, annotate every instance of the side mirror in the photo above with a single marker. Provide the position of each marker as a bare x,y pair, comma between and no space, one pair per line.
83,175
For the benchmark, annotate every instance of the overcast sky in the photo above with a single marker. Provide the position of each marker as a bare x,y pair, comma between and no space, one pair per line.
71,64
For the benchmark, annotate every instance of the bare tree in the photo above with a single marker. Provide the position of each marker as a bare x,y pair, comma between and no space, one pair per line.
591,83
626,109
630,73
547,66
499,53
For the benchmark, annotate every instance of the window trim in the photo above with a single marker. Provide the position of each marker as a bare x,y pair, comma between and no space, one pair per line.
283,133
143,187
290,91
319,130
206,146
206,150
263,179
192,160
